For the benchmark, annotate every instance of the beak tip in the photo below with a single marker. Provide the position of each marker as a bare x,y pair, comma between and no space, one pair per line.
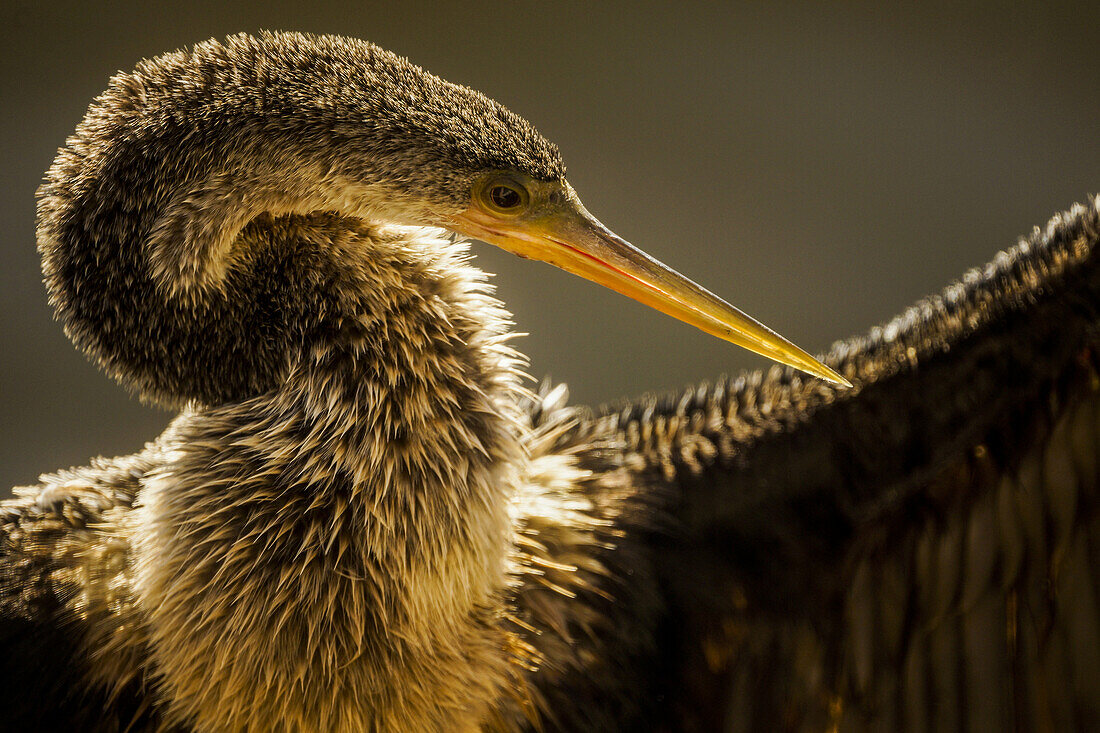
842,382
831,376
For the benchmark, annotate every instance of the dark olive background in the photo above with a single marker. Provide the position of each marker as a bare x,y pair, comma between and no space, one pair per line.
822,169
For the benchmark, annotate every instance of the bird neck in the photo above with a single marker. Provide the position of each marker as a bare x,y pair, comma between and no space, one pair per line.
325,544
354,520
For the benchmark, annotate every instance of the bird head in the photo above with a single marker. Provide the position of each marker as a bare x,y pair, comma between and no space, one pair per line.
449,156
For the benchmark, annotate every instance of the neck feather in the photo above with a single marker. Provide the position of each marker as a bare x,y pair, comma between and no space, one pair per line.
354,520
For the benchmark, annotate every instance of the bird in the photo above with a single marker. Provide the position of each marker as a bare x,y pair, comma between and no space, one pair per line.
361,518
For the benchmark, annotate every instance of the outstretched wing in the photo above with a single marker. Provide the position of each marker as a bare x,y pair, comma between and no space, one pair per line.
920,552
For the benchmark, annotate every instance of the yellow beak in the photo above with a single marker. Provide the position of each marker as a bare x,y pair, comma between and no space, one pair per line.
568,237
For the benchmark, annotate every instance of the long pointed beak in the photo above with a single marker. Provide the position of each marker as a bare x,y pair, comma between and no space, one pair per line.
574,240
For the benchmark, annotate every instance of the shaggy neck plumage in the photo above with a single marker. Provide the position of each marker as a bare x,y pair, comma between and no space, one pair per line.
183,281
147,211
349,526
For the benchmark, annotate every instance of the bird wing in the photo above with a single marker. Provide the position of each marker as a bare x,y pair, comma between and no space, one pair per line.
920,552
52,549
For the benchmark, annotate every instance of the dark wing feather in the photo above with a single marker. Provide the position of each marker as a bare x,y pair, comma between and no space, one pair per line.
45,535
921,552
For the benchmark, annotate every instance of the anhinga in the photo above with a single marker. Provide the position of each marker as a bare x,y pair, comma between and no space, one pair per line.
361,521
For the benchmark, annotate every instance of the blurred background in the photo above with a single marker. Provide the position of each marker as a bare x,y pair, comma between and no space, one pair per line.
820,168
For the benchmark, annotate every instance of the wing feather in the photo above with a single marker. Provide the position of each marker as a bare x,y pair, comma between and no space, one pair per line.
921,553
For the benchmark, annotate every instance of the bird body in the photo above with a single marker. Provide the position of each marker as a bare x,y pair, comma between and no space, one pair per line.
361,520
322,540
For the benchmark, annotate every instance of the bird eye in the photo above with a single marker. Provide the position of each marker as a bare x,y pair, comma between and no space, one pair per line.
503,196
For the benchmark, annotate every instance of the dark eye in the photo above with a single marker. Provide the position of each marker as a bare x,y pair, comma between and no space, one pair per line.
501,195
505,197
